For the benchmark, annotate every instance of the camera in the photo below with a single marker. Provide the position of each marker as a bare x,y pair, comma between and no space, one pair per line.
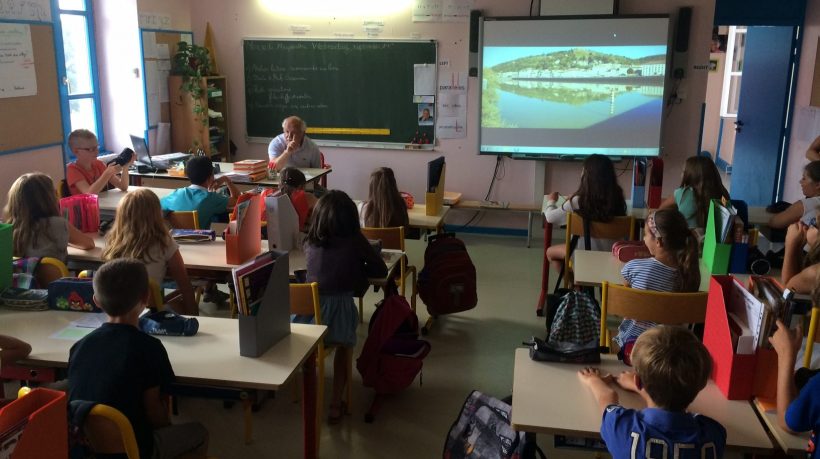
123,158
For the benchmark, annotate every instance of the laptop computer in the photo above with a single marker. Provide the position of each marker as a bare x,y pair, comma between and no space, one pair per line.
158,162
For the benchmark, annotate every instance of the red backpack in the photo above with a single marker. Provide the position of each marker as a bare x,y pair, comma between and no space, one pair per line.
447,283
392,354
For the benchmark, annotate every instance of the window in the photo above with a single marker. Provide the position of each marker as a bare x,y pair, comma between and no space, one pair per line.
80,90
733,72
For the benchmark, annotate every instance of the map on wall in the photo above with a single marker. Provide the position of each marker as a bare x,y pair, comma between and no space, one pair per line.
17,74
26,10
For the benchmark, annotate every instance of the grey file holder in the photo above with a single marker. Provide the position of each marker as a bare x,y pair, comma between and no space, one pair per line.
271,323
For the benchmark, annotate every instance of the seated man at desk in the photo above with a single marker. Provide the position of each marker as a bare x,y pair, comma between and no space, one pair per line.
292,148
88,175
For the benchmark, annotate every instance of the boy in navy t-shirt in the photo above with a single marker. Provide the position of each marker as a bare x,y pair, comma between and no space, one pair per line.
122,367
796,412
671,367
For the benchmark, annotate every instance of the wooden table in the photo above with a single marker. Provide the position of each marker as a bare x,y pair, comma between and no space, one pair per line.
549,398
792,444
419,219
209,358
593,267
311,174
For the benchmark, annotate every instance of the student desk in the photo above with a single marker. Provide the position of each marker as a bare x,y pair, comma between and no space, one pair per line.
593,267
419,219
311,174
530,209
210,358
792,444
549,398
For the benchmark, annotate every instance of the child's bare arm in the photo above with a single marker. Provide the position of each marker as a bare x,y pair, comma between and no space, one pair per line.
599,385
13,349
786,343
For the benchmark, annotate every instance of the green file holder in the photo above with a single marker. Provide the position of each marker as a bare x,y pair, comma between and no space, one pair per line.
6,252
715,254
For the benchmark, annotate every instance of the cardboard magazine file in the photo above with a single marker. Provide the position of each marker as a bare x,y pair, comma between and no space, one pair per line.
655,183
434,201
258,333
738,376
715,253
247,244
35,426
639,184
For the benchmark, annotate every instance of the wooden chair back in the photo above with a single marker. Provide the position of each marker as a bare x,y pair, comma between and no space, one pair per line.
620,228
392,237
109,432
304,300
812,332
188,219
659,307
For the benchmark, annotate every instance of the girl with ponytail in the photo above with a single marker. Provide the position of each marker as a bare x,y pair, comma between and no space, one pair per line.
674,266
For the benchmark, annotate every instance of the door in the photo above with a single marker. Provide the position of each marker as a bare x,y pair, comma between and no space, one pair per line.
761,142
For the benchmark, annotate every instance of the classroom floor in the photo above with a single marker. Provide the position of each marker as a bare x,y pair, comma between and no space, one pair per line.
470,350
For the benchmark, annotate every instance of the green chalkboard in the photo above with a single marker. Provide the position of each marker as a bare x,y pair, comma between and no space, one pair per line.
346,90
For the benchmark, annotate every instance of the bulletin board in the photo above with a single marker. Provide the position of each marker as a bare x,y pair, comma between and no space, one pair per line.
158,47
35,121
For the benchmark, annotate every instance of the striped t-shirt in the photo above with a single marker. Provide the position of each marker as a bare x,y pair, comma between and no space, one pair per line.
645,274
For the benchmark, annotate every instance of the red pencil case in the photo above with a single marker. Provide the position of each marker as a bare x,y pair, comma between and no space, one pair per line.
630,250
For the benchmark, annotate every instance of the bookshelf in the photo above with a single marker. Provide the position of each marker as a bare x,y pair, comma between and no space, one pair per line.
188,130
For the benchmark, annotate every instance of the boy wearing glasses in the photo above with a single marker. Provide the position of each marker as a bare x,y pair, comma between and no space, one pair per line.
88,175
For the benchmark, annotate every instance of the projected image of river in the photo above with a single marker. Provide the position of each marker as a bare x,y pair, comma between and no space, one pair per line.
573,105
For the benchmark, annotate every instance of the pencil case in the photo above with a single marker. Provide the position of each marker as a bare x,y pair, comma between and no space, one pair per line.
72,294
630,250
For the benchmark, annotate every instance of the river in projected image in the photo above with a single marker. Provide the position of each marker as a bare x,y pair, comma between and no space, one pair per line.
571,105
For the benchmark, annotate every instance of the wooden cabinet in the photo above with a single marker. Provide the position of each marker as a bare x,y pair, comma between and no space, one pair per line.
204,124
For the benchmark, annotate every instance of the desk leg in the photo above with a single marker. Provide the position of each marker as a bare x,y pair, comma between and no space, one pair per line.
309,406
529,228
545,269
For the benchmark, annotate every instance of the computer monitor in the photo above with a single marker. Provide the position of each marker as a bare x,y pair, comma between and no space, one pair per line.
143,156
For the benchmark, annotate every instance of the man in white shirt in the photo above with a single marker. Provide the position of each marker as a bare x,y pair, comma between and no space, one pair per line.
292,148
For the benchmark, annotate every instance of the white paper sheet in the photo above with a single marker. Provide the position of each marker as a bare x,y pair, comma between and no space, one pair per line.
17,74
427,10
424,79
149,45
163,52
162,89
26,10
450,128
452,105
456,10
152,92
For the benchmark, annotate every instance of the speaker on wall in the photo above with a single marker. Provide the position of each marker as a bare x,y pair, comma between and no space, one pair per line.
475,17
680,47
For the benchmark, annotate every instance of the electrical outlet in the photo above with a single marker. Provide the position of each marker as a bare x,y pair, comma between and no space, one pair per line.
681,94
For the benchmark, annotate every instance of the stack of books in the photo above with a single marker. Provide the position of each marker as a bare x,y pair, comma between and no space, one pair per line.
255,169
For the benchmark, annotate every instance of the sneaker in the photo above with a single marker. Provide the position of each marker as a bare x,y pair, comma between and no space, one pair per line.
168,323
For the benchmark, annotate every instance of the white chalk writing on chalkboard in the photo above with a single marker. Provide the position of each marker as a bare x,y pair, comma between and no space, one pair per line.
26,10
17,74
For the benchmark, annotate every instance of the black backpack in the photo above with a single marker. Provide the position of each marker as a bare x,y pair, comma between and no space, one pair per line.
447,283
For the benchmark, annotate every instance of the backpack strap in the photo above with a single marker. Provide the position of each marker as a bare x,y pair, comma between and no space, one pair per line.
587,234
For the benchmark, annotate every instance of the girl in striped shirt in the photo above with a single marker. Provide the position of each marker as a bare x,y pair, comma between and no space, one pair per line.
674,266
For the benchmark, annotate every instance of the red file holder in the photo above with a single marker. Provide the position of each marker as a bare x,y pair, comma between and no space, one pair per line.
35,425
247,244
83,211
739,377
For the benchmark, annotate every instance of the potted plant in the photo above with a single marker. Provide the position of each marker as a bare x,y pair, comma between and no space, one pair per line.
191,64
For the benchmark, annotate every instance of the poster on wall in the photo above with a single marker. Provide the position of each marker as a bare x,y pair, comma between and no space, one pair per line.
452,102
26,10
17,74
442,10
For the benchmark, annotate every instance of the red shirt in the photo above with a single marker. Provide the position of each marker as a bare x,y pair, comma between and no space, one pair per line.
76,173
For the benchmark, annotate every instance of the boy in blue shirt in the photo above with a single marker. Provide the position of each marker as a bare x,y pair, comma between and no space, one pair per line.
199,196
671,367
796,412
122,367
